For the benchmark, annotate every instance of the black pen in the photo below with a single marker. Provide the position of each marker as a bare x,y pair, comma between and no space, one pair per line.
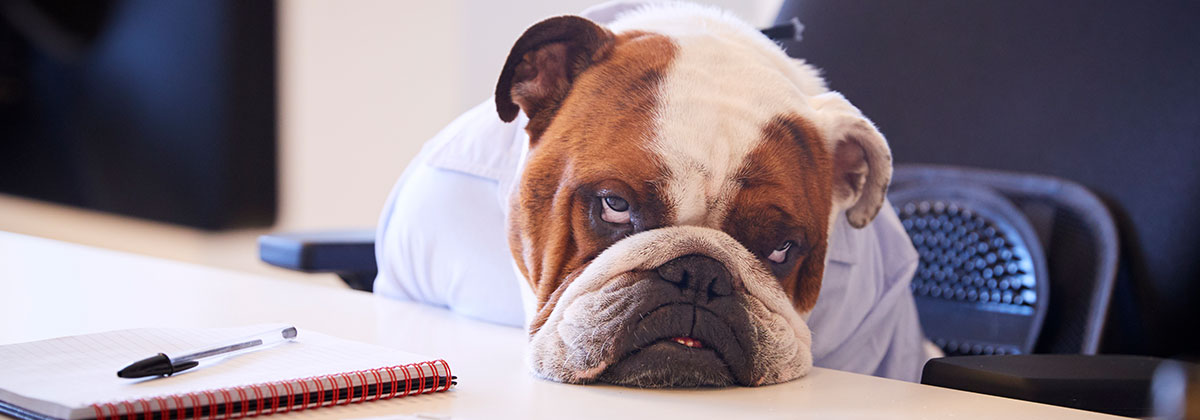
162,364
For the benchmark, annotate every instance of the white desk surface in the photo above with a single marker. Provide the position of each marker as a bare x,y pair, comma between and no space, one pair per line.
50,289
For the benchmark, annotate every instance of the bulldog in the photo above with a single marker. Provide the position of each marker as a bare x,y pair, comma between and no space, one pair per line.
676,201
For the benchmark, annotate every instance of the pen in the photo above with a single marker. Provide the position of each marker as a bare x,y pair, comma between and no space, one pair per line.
162,364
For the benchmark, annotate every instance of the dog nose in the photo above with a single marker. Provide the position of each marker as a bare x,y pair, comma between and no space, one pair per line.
698,274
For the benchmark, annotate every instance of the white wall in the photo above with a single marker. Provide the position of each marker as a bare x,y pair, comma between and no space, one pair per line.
362,85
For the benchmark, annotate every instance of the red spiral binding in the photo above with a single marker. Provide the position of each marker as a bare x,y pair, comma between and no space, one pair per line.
291,396
129,410
99,412
211,399
449,377
333,386
178,405
362,382
378,383
228,400
349,388
241,397
320,392
304,384
112,410
421,388
391,379
349,378
162,405
407,381
195,405
274,398
433,386
257,397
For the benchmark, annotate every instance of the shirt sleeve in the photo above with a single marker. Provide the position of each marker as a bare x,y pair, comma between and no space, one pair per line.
906,355
865,320
441,235
444,245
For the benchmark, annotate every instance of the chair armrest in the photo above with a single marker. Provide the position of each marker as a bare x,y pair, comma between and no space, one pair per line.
1111,384
349,253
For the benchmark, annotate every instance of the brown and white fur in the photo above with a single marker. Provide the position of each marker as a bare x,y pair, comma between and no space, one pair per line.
725,150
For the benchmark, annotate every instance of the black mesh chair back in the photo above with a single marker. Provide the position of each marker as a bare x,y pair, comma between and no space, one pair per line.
980,286
1010,263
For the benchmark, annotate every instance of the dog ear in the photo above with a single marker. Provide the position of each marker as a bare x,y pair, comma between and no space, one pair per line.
543,64
862,162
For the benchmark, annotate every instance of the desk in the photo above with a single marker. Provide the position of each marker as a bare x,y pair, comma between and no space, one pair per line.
53,289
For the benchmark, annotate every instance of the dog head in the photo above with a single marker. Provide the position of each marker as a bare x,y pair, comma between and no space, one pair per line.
674,208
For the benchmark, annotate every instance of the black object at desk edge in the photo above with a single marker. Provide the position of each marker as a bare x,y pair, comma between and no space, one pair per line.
1113,384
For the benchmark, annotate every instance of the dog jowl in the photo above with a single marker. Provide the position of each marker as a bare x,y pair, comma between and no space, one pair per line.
674,208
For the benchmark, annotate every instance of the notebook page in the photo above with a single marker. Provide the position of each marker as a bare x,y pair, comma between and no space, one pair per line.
57,375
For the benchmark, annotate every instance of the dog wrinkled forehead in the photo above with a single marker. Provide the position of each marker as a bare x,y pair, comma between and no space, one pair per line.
690,97
715,105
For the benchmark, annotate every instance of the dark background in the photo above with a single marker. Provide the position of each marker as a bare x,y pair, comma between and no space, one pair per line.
1106,94
156,109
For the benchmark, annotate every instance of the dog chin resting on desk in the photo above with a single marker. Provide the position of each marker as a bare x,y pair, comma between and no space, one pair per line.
677,191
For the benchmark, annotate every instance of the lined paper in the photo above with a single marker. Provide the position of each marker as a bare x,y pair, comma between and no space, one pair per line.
63,377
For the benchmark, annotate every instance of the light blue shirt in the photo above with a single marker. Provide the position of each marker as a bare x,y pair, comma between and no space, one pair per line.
441,240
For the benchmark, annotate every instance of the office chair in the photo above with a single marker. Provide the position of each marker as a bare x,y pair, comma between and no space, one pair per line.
984,286
980,285
1010,263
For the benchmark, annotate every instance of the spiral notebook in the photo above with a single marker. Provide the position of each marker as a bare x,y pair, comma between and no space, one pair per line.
75,377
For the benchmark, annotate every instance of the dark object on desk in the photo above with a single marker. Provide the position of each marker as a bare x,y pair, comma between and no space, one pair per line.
350,254
984,284
1111,384
1102,93
159,110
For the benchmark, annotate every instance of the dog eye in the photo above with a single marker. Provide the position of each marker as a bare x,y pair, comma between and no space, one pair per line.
616,210
779,255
